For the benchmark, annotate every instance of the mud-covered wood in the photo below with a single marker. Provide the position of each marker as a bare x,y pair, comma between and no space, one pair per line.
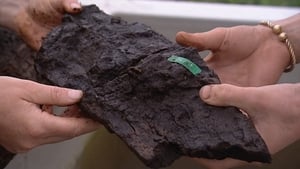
152,104
15,60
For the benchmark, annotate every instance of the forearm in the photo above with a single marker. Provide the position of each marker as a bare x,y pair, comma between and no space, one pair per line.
9,10
291,26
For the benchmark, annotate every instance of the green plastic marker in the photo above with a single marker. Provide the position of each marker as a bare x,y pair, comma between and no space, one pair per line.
192,67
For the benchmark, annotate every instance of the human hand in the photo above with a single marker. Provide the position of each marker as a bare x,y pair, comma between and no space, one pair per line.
245,56
33,19
274,109
241,55
25,125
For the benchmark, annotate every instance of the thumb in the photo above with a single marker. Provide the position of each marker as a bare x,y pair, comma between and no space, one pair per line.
66,128
224,95
211,40
50,95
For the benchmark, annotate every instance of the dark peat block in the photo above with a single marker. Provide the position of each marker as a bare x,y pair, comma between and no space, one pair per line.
130,87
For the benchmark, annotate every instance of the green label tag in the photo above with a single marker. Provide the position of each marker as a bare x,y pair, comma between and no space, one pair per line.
192,67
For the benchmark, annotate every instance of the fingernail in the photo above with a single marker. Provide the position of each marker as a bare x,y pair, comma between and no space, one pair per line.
205,92
75,6
75,94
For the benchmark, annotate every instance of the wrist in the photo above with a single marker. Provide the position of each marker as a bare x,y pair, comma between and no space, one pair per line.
292,28
9,11
274,50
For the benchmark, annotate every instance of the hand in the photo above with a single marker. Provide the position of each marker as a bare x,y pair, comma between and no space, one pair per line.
242,55
248,56
25,125
33,19
274,110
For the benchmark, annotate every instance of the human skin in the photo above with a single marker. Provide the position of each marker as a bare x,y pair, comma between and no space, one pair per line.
246,55
33,19
274,110
27,119
249,61
25,125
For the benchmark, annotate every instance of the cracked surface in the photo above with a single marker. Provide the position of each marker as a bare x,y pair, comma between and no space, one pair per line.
150,103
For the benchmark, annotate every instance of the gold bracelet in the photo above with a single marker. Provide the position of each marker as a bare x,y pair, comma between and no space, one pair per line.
283,38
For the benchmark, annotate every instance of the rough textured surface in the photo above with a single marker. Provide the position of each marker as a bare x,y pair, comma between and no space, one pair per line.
15,60
150,103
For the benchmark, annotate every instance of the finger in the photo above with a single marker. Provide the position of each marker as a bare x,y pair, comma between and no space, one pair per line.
228,95
63,128
211,40
65,6
72,111
47,108
208,57
50,95
71,6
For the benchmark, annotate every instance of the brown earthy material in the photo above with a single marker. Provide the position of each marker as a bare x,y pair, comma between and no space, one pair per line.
150,103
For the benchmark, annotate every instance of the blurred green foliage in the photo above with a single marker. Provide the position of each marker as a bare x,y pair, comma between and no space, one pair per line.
295,3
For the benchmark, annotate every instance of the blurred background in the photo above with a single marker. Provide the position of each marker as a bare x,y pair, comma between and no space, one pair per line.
102,150
256,2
